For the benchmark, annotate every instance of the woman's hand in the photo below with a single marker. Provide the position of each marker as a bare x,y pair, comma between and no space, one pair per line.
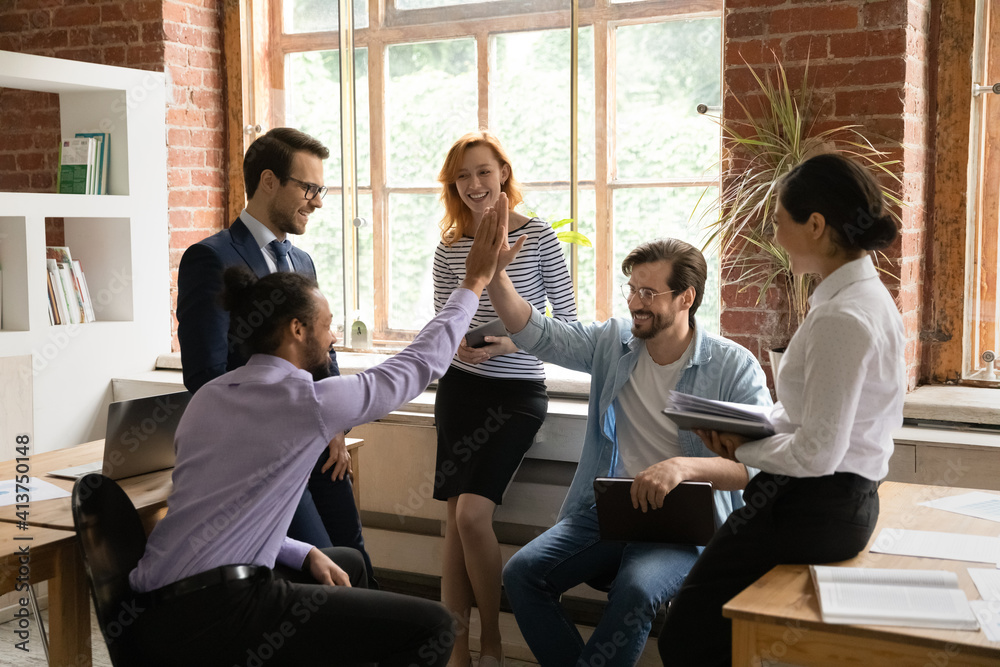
723,444
496,346
507,253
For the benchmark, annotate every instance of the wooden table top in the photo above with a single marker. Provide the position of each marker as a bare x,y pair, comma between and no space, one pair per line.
148,492
786,594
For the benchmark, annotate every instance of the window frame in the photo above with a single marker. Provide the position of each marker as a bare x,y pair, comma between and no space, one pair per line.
261,22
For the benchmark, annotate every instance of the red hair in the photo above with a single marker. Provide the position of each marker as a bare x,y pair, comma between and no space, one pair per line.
457,216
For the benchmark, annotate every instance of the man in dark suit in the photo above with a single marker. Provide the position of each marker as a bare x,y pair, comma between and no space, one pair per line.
283,174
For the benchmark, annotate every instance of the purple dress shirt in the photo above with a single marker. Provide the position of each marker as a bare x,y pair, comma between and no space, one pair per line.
248,440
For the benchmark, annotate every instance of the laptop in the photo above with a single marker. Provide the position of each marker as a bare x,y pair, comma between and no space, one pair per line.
687,515
139,437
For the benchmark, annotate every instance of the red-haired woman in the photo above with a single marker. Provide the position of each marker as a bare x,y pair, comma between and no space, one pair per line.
492,400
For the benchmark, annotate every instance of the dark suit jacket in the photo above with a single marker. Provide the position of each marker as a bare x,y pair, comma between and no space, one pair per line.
202,324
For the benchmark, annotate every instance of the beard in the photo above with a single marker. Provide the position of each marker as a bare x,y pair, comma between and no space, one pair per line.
321,365
657,324
284,220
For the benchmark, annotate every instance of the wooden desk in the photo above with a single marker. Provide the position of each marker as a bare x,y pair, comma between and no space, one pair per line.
777,618
54,557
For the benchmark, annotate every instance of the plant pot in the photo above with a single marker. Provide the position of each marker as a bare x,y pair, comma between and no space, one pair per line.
775,358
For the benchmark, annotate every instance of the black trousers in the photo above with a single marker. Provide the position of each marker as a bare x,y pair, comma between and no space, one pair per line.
785,520
282,617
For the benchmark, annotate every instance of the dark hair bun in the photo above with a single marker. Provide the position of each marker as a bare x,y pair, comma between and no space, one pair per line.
237,281
880,235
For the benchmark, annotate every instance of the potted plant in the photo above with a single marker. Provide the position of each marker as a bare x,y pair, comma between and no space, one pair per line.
761,145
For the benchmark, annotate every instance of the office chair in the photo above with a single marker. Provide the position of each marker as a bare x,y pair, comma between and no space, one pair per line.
112,541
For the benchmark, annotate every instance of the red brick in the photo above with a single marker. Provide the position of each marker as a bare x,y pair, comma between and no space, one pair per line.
745,25
146,55
211,79
817,19
112,12
79,15
206,138
79,36
185,76
127,34
868,43
7,162
43,182
208,219
187,238
805,47
187,198
30,161
208,178
206,99
203,17
145,10
185,118
35,42
178,178
861,103
181,157
14,182
205,60
753,51
175,11
884,14
87,54
40,19
153,32
183,34
16,23
180,218
178,137
217,200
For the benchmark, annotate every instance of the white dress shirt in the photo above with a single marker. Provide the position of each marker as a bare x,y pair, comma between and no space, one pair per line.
263,236
840,384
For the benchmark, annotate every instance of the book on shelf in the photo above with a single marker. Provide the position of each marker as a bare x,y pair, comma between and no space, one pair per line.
691,412
73,304
75,157
99,166
53,312
910,598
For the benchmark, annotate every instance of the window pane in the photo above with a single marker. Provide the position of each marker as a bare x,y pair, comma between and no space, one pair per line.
535,129
312,104
553,206
664,71
431,99
643,214
320,15
413,236
324,241
424,4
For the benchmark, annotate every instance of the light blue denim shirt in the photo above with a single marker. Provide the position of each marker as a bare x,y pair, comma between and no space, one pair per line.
718,369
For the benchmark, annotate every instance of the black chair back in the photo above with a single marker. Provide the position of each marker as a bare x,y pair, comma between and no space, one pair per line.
112,540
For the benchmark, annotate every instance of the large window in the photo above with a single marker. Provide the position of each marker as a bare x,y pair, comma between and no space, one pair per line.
982,308
427,71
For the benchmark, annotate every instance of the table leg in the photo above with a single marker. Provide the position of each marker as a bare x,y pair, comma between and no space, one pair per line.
69,611
745,644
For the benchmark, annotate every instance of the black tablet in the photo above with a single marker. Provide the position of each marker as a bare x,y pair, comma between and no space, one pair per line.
687,515
477,335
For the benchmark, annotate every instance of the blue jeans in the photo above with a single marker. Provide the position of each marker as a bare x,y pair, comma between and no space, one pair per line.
570,553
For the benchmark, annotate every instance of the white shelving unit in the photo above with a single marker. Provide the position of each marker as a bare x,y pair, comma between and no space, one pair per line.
120,238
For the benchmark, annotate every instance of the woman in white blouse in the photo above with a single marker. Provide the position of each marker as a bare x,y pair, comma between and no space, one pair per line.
840,389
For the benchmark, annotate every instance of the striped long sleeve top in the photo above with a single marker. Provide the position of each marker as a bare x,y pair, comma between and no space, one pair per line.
539,275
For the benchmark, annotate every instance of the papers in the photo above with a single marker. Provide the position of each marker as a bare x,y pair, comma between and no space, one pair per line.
37,489
988,614
979,504
912,598
987,581
933,544
690,412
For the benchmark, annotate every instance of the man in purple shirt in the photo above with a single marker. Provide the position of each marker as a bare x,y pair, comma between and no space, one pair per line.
206,593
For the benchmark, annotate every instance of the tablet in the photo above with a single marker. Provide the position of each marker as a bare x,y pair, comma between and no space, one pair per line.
687,515
477,335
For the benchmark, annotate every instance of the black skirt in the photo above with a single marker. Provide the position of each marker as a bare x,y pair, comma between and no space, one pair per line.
484,427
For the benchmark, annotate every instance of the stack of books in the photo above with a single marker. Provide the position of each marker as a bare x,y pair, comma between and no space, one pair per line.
83,164
694,412
69,296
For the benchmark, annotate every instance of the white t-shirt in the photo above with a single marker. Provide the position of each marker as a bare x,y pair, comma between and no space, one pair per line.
645,435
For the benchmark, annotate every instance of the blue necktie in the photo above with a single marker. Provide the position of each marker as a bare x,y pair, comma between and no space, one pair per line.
281,249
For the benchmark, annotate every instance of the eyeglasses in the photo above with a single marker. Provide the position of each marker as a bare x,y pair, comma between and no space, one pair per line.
311,188
646,295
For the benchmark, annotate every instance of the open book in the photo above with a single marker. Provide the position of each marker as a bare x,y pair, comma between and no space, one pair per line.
912,598
691,412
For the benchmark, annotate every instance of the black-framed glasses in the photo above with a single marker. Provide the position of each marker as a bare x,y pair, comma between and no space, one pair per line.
311,188
646,295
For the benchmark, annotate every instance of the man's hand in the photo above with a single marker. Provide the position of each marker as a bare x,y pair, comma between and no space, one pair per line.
340,459
723,444
324,570
507,253
652,485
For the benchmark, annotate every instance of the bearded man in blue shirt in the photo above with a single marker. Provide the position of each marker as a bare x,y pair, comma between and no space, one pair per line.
633,365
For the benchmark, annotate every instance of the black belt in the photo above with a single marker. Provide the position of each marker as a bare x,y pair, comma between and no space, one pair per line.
198,582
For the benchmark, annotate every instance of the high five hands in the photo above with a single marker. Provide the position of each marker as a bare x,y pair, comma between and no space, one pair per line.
490,253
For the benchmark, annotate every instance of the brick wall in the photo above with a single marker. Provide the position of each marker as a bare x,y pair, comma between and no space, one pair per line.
178,37
861,56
